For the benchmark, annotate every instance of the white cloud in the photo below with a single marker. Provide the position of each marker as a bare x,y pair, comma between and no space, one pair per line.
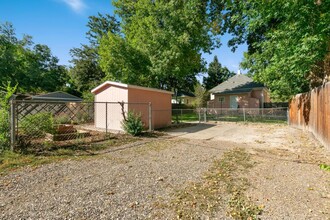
75,5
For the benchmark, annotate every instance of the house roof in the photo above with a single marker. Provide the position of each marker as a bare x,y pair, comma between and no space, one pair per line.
111,83
57,96
185,94
236,84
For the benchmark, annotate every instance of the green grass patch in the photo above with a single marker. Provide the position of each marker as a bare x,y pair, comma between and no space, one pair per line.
221,189
185,117
325,167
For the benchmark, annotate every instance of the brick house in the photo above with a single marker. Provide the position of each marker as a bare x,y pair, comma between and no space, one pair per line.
237,92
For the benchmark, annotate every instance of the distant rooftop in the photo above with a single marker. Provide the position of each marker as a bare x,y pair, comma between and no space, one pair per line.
239,83
184,94
57,96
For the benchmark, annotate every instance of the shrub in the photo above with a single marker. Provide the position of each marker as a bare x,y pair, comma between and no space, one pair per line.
5,95
81,117
38,124
133,124
62,119
4,129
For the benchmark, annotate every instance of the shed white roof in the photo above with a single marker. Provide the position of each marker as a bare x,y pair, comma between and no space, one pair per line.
111,83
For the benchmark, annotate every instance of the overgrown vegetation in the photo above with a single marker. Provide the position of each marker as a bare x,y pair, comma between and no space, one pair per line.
5,95
132,124
38,124
4,130
224,185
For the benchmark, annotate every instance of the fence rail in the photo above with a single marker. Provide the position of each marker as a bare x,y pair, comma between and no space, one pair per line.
228,114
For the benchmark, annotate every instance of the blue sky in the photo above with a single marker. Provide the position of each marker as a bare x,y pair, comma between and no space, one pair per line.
61,24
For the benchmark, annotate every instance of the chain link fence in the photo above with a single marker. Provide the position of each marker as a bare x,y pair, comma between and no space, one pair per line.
38,124
228,114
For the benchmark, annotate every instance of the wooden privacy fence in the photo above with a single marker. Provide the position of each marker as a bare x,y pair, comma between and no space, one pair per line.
311,111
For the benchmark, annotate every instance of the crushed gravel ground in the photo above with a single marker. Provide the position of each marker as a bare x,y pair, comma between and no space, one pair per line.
133,182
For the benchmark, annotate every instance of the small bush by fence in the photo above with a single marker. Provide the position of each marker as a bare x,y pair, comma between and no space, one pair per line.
4,129
311,111
228,114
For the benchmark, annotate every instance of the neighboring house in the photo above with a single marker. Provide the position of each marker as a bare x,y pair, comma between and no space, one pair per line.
137,99
56,97
55,102
186,98
237,92
49,97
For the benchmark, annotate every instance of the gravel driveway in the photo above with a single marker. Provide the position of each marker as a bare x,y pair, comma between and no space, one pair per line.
134,182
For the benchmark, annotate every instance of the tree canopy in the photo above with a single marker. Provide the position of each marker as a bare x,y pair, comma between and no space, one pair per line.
86,72
216,74
31,66
160,44
288,42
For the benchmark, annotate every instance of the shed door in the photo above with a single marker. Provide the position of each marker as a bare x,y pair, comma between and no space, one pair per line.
233,101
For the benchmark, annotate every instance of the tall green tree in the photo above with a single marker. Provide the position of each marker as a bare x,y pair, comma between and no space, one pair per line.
31,66
216,74
99,26
288,42
168,36
122,62
86,72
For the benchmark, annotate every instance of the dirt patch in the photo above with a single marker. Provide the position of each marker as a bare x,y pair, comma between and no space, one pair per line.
288,180
243,133
221,191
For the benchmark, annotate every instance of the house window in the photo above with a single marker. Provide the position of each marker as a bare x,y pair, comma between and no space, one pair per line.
221,99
